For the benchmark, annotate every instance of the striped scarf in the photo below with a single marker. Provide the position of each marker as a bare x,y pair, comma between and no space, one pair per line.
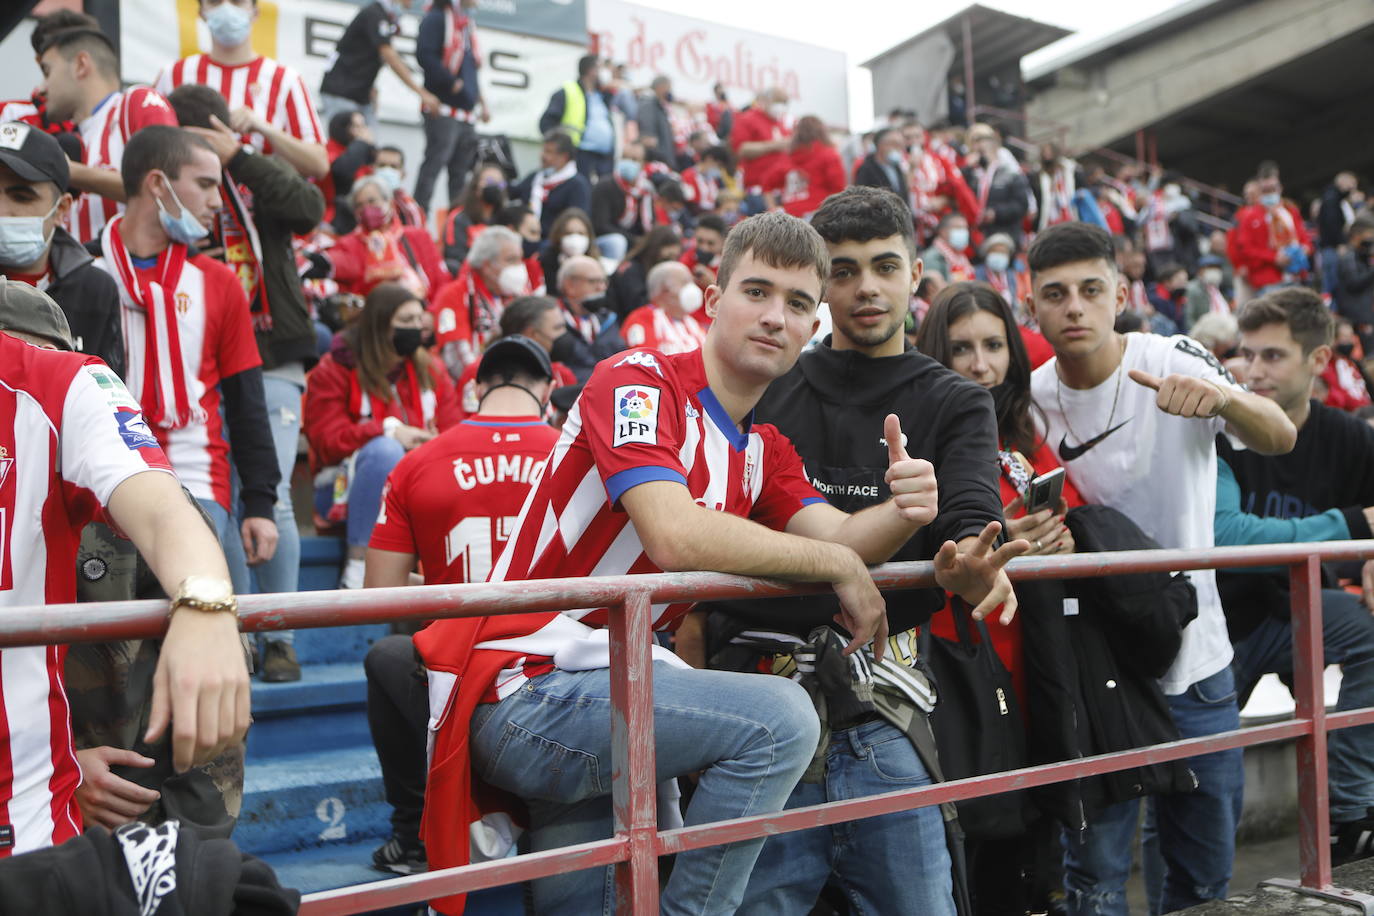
157,370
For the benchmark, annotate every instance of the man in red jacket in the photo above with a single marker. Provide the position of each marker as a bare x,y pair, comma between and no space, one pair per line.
760,139
1271,245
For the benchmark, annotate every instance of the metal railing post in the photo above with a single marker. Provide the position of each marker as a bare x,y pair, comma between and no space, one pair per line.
1314,816
632,750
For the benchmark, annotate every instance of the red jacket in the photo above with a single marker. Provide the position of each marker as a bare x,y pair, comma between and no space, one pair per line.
807,177
1251,246
751,126
341,418
357,269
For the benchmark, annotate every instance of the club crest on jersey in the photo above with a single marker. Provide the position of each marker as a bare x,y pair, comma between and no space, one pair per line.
641,358
636,415
183,303
6,462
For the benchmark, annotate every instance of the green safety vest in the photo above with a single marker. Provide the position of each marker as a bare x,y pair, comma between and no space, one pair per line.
574,111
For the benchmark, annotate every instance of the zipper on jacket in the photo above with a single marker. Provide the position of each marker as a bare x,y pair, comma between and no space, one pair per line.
1001,702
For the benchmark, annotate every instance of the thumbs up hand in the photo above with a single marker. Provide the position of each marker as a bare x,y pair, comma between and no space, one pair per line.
1184,395
912,480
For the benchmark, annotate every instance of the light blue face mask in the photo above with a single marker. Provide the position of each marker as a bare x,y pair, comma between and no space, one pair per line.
22,239
389,176
230,25
628,170
184,229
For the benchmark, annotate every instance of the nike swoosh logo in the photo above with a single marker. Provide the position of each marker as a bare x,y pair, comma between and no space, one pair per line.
1070,452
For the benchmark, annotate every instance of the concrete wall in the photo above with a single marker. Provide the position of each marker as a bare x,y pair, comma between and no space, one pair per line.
1114,96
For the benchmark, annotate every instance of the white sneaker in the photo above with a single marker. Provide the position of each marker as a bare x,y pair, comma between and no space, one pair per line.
352,573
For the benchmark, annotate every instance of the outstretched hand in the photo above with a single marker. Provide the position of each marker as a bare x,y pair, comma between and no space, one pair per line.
979,575
912,480
1184,395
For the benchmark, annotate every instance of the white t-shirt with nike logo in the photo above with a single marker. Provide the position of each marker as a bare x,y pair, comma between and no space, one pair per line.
1158,470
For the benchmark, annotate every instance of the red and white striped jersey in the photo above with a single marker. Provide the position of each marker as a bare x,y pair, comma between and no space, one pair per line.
642,417
70,433
19,110
105,134
453,501
269,88
652,327
215,331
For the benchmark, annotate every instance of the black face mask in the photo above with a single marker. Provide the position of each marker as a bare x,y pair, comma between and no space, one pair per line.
1346,349
704,258
428,340
493,195
596,304
407,340
1365,247
529,248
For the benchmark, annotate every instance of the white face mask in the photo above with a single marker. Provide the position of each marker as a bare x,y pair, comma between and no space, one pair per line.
997,261
778,110
229,25
958,238
22,239
574,244
605,77
390,176
513,279
1211,276
690,297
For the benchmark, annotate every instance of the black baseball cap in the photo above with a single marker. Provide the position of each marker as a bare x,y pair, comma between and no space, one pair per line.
33,155
514,349
29,310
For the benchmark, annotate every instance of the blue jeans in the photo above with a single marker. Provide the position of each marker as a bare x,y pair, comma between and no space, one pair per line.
1348,640
895,863
550,744
1328,260
330,105
231,542
282,572
375,461
613,245
1196,831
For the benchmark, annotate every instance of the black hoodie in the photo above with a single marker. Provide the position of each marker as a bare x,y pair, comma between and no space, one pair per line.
832,406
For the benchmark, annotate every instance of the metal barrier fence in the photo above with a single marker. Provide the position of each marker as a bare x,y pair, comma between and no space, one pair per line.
637,843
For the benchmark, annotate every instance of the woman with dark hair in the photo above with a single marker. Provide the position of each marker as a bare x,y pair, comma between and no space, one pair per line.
376,395
569,236
629,287
483,197
810,172
971,330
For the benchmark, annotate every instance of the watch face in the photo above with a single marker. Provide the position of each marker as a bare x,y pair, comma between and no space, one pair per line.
206,589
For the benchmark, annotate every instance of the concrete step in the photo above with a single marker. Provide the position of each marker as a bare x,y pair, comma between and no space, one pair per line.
325,709
321,561
327,798
342,865
326,645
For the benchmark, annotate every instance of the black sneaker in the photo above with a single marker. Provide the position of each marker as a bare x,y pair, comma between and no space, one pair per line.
279,663
399,857
1353,840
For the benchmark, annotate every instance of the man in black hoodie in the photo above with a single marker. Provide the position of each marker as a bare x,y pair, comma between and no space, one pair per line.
831,405
1324,481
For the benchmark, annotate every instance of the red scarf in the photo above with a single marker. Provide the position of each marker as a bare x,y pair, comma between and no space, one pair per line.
956,261
458,37
158,373
409,399
243,250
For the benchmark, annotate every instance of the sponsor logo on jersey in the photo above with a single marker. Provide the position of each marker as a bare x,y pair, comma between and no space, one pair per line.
641,358
134,431
636,415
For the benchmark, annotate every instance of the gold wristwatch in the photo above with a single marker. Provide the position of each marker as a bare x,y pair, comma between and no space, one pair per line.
202,593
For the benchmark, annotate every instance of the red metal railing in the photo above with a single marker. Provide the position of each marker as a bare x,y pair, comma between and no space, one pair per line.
637,842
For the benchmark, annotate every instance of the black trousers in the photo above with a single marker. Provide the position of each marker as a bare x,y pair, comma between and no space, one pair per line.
398,716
